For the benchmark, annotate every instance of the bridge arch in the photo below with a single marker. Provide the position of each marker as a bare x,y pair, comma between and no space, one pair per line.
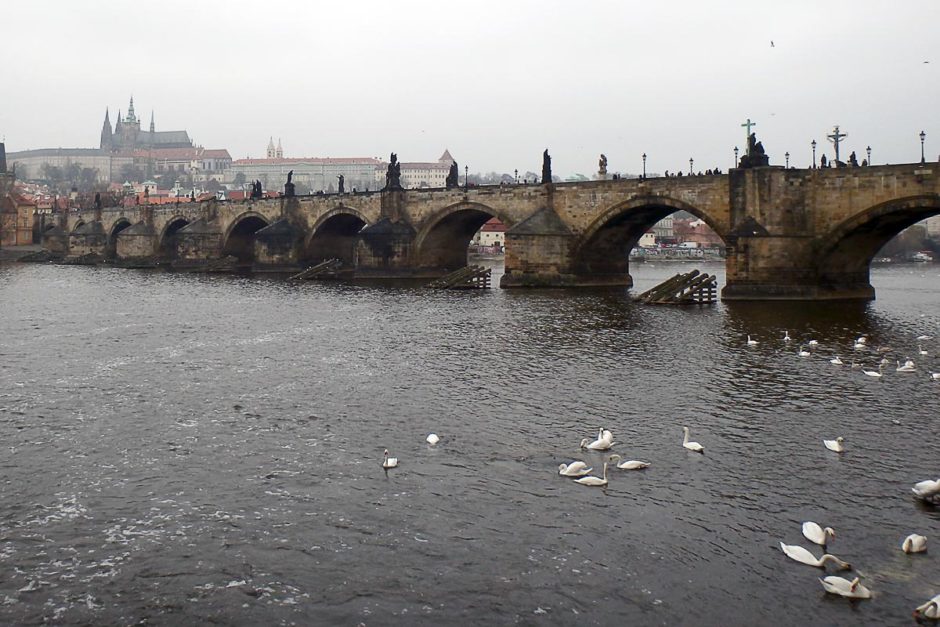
605,245
111,246
239,239
443,240
846,252
334,236
167,242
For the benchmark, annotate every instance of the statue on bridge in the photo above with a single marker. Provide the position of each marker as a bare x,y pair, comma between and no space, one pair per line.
393,174
755,156
289,185
453,178
342,183
256,190
853,160
602,165
546,168
98,200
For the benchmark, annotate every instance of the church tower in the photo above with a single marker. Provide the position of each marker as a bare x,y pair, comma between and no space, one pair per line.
151,122
271,148
280,151
106,133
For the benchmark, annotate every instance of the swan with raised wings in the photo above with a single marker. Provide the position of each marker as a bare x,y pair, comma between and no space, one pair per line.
574,469
845,588
816,534
914,543
803,556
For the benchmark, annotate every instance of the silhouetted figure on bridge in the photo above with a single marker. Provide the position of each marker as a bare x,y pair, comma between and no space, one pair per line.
755,156
256,190
97,200
822,162
342,184
453,178
393,174
853,160
289,185
546,168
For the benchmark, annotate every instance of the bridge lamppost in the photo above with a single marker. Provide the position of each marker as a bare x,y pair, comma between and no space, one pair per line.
516,179
813,144
466,177
691,161
922,136
868,151
786,156
644,165
735,156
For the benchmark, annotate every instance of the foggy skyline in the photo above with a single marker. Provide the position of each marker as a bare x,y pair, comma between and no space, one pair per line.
495,83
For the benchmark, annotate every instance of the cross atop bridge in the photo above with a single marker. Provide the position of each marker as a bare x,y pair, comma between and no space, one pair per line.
835,138
748,126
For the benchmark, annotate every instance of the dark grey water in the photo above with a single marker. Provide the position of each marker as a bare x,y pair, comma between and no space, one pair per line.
180,449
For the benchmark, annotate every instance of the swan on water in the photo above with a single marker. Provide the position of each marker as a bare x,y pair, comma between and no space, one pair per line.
935,376
605,434
591,480
843,587
631,464
786,336
803,556
907,367
692,446
930,609
803,352
433,439
815,533
813,343
874,373
914,543
389,462
600,444
920,350
861,339
924,338
574,469
927,490
836,360
836,445
751,342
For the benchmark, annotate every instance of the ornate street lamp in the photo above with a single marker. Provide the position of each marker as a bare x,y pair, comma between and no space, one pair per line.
691,161
516,179
868,151
735,156
786,156
466,177
813,144
644,165
922,136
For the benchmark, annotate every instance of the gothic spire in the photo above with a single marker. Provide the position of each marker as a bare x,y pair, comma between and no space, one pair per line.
131,118
118,122
106,131
151,121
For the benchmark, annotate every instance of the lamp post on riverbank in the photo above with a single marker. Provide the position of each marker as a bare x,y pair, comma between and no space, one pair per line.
813,144
644,165
922,136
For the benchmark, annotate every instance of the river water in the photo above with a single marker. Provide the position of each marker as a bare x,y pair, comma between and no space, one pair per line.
182,449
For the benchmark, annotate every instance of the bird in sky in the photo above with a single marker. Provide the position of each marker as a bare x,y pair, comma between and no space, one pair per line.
771,43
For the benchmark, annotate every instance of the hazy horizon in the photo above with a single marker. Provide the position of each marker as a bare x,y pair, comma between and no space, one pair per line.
494,83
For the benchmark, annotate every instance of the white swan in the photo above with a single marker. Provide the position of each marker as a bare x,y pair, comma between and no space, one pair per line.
843,587
836,445
815,533
803,352
924,338
389,462
786,336
692,446
874,373
926,489
920,350
930,609
914,543
907,367
813,343
836,360
574,469
600,444
861,339
433,439
803,556
605,434
591,480
751,342
935,376
631,464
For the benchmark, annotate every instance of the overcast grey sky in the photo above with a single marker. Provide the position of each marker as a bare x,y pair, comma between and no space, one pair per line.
496,82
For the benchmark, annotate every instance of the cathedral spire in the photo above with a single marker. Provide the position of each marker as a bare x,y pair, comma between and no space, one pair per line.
271,148
131,118
106,131
118,123
280,151
151,121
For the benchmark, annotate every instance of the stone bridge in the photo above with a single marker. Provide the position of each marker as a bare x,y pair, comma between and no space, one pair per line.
789,234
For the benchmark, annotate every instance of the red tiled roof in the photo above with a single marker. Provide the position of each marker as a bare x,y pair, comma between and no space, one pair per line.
494,224
220,153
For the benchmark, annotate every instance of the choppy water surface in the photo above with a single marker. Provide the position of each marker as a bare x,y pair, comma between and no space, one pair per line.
180,449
